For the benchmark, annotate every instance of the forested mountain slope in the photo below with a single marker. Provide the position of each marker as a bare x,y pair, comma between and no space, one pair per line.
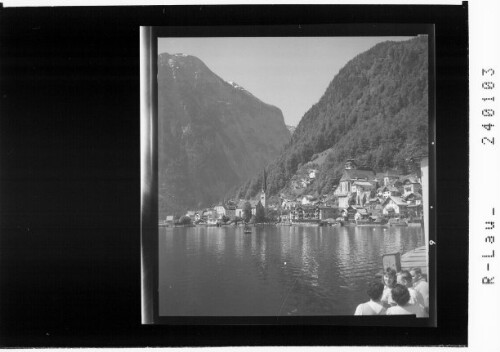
375,110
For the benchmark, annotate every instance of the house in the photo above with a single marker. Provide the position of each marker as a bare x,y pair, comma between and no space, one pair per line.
306,200
364,191
349,212
230,210
411,184
288,204
312,173
415,207
395,206
387,191
240,206
413,199
210,214
305,213
390,176
361,214
169,220
345,192
221,210
191,214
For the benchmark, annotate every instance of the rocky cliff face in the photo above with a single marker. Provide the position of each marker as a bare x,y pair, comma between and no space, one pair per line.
213,134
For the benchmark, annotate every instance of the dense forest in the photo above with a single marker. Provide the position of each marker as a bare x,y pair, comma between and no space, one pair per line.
375,110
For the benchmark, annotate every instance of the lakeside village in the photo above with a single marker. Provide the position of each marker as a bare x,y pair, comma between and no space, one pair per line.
362,198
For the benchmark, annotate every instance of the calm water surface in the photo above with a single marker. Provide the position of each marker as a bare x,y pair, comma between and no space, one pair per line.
210,271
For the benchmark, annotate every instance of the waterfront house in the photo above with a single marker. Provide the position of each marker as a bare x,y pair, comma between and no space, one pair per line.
395,206
169,220
220,209
361,214
349,212
239,208
305,213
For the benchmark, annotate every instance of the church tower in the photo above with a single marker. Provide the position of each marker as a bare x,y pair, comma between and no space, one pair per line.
263,191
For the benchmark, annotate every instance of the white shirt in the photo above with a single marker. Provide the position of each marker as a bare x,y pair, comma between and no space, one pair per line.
370,308
422,287
408,309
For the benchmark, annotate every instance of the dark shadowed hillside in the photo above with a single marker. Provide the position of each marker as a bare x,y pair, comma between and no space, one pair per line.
213,134
375,110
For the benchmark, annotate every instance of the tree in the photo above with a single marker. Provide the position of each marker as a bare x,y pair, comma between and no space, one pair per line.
260,214
247,211
185,220
225,218
237,219
273,215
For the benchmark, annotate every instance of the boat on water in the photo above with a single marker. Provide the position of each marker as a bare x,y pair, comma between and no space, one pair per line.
397,222
247,229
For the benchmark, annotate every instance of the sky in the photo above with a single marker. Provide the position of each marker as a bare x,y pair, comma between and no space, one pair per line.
291,73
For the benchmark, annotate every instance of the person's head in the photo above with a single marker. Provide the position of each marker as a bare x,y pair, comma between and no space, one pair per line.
375,290
404,278
400,295
416,273
390,277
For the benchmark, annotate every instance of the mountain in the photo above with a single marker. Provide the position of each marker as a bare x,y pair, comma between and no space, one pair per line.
375,110
291,129
213,134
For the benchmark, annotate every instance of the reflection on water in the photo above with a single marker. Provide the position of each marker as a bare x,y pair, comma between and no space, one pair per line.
210,271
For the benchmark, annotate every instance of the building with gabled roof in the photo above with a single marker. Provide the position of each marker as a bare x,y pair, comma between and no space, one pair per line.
354,180
390,176
395,206
411,184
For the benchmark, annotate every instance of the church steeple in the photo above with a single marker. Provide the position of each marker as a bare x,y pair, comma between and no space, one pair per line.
263,191
264,180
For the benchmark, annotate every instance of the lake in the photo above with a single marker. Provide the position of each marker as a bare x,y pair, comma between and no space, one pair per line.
275,270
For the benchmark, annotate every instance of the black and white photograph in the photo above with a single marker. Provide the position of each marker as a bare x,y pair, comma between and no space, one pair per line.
293,176
248,175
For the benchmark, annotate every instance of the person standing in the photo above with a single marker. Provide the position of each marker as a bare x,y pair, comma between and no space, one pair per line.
389,282
373,306
420,285
401,296
404,278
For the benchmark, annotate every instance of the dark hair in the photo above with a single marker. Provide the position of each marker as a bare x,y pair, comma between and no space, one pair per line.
405,274
400,294
375,290
392,275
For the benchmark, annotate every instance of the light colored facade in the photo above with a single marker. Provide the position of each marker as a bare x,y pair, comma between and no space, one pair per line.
394,206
